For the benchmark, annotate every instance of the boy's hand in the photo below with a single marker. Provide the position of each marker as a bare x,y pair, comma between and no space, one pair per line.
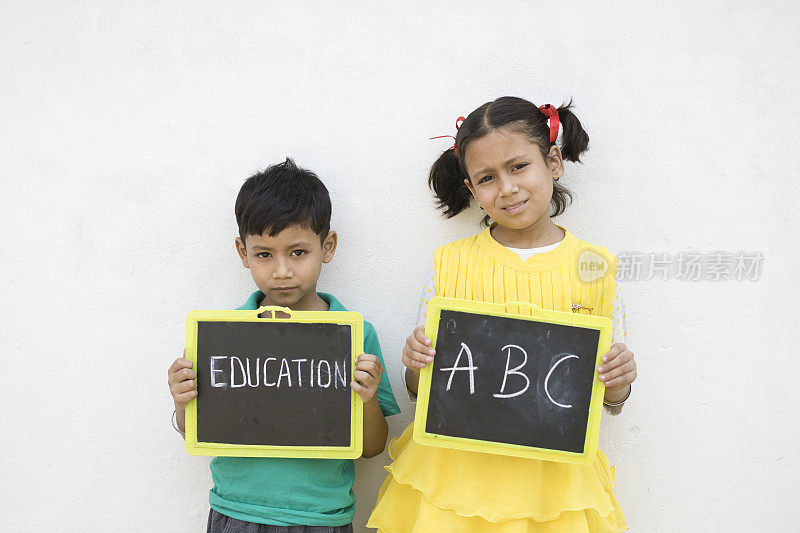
417,352
367,376
182,382
618,370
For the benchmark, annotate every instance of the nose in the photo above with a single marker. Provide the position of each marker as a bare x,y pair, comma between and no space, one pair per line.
282,269
507,185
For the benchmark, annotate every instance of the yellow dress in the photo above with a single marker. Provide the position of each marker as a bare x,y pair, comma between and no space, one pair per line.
437,490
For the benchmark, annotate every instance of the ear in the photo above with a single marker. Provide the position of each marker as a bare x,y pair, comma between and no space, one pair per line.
469,186
329,246
555,162
242,251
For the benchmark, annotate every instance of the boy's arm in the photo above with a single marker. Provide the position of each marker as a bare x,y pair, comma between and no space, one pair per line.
375,429
183,387
180,420
368,374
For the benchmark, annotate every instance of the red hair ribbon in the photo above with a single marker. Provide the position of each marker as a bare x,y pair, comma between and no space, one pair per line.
459,121
551,113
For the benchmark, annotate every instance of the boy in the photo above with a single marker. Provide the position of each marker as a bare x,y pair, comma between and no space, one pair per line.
284,216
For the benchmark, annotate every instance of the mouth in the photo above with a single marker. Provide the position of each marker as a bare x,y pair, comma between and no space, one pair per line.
283,290
515,208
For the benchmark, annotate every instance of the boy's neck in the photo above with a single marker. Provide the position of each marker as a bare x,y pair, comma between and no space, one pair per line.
310,302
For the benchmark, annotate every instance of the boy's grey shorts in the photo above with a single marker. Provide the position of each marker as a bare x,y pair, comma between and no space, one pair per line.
220,523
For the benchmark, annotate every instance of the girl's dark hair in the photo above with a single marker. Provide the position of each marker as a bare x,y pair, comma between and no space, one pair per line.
447,175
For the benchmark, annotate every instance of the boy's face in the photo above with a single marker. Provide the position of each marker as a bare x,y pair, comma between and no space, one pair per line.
286,266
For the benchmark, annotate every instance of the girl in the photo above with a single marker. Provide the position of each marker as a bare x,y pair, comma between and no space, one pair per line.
505,156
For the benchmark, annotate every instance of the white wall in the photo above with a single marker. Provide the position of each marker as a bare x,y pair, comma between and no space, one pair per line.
127,128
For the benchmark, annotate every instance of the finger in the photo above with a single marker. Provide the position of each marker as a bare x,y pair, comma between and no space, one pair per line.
416,346
373,371
419,334
368,358
362,391
624,379
183,375
417,358
185,397
370,367
413,364
616,372
623,368
184,386
616,349
179,363
619,360
186,373
365,378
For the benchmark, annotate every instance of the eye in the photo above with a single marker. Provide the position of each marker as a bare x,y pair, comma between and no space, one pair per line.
519,166
298,253
486,179
264,255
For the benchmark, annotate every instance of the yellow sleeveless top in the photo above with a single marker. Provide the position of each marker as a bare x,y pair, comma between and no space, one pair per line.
480,268
442,490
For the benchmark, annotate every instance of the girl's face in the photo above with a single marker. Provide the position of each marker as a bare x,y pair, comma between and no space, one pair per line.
510,179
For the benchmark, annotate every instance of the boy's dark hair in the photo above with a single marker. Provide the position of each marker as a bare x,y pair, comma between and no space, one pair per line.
281,196
448,173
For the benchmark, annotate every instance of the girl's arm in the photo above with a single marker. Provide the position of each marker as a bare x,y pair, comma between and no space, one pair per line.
618,370
412,383
417,353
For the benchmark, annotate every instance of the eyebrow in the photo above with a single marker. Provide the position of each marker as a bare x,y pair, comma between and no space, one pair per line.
301,244
522,156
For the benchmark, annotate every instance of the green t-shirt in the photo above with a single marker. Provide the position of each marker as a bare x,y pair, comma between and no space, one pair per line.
289,492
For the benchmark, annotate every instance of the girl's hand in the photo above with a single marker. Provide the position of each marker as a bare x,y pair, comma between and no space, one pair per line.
181,380
417,352
367,376
618,370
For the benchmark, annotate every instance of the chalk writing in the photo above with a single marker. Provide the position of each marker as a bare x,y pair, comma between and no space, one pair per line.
236,372
471,369
547,379
516,371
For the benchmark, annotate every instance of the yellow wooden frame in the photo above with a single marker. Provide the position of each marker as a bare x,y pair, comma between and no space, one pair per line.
602,324
348,318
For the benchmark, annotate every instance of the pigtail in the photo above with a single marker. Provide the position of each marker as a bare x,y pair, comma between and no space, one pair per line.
446,180
574,139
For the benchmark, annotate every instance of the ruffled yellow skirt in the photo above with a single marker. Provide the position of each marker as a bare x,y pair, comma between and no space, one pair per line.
433,490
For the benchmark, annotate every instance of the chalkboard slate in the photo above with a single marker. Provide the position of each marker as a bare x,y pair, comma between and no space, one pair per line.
272,393
512,381
274,387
